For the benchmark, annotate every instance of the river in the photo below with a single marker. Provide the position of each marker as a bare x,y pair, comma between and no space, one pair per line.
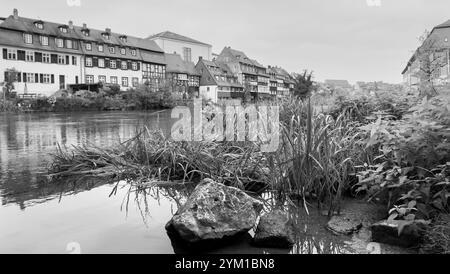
38,218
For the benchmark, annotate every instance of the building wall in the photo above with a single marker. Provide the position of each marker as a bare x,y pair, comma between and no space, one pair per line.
119,73
68,71
173,46
209,93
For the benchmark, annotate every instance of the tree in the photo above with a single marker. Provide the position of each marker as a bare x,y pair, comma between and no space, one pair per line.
304,84
11,76
430,59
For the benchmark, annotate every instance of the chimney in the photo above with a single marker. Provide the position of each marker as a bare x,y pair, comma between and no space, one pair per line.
16,14
108,30
84,26
71,25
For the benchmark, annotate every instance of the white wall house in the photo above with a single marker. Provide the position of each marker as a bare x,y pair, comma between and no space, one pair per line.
51,56
189,49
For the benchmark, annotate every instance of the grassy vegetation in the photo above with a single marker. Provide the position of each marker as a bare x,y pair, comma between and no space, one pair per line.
108,98
392,150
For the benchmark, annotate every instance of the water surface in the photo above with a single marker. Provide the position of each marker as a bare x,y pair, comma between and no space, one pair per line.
41,218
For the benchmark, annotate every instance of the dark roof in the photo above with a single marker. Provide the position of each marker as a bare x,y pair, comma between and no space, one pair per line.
177,65
52,29
175,36
446,24
237,55
217,68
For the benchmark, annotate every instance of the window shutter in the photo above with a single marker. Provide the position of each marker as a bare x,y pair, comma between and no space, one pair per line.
19,77
6,76
67,60
24,77
53,78
75,44
128,65
138,66
42,77
54,58
95,62
21,55
5,54
118,64
38,57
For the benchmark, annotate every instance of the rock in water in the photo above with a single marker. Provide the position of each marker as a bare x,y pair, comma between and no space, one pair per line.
344,224
275,229
387,232
214,212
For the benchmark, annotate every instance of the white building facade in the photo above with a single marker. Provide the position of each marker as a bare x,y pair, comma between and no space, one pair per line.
189,49
47,57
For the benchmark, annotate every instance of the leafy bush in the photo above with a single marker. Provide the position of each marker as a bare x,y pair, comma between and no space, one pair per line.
411,160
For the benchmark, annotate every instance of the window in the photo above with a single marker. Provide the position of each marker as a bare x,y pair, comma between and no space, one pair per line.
100,48
101,63
46,79
187,54
61,59
44,40
28,38
12,54
63,29
114,80
31,77
88,62
106,36
46,58
89,79
135,81
29,56
102,79
134,66
59,42
123,65
125,81
123,38
74,60
39,25
85,32
69,44
123,51
112,49
88,46
113,64
133,52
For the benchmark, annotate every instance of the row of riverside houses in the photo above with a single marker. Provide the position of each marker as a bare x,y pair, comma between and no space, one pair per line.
51,57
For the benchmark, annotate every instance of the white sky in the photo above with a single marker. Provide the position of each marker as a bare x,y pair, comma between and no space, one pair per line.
338,39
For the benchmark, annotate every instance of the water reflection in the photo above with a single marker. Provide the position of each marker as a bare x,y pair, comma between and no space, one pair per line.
27,139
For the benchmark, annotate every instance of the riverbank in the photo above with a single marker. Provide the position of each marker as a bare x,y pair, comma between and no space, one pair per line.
104,100
365,147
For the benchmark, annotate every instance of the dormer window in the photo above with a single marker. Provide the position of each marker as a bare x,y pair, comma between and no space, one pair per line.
63,29
85,32
39,24
106,35
123,38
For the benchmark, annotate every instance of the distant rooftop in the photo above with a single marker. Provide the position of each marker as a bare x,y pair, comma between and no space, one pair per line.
175,36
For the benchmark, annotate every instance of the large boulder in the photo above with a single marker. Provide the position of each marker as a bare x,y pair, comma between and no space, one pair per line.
398,232
275,229
214,212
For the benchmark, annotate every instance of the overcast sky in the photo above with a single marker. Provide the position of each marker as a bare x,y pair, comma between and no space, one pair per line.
338,39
